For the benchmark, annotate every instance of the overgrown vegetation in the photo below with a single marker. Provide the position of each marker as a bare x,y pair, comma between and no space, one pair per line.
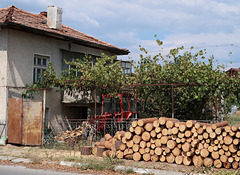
200,86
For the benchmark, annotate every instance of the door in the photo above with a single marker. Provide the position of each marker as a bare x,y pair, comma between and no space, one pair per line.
32,123
24,122
14,129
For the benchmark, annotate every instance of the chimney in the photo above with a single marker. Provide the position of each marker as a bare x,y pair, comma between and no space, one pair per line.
54,17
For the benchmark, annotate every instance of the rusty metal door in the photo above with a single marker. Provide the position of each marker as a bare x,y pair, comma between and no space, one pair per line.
32,123
14,129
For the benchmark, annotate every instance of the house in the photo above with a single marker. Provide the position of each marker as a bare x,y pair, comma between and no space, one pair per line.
233,72
27,43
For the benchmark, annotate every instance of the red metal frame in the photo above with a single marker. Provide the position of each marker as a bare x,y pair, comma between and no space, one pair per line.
121,116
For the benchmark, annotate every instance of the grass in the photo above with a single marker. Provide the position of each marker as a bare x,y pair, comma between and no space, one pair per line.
233,119
224,172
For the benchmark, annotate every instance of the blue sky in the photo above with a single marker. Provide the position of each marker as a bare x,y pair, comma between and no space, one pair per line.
210,24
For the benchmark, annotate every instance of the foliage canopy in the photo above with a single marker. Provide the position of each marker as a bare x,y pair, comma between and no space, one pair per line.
200,87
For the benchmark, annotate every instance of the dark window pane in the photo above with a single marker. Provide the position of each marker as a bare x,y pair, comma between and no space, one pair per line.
125,103
44,62
39,60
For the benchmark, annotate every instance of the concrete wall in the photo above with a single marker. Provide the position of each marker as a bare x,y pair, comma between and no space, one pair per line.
21,47
3,79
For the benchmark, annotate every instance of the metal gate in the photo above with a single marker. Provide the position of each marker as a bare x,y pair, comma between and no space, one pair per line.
24,122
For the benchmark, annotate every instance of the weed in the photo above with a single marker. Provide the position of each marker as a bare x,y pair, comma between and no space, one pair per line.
224,172
128,171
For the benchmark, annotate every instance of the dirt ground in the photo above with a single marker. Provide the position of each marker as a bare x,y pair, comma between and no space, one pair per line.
49,159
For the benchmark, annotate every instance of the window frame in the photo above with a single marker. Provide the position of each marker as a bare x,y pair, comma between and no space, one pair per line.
40,67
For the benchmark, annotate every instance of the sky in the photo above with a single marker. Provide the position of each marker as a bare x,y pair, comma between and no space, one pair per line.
213,25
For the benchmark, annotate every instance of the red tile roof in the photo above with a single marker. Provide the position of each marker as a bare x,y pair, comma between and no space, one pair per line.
37,23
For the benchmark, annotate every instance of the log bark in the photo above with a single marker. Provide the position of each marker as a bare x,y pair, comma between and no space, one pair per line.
100,150
142,122
219,124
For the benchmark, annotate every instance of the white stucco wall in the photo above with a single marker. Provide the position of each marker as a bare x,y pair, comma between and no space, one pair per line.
21,47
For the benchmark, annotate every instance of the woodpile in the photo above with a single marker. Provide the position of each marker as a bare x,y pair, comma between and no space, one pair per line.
76,135
172,141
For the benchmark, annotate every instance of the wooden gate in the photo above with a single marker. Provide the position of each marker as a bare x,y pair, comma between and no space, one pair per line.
24,122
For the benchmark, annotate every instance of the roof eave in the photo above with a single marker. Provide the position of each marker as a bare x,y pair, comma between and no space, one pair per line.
24,28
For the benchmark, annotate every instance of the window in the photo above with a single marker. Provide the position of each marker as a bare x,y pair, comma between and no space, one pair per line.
127,67
40,65
72,56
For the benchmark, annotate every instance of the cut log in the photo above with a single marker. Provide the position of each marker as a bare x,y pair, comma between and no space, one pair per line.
135,148
86,150
208,162
170,158
218,131
158,151
234,128
182,127
105,153
176,151
217,163
134,124
235,165
215,155
153,133
163,120
119,154
112,154
204,152
200,130
107,137
94,150
171,144
162,158
122,147
179,159
108,145
154,158
188,133
146,136
100,150
209,129
223,158
233,148
164,140
139,130
128,135
146,157
131,129
141,150
170,123
227,128
228,140
158,142
129,144
190,123
137,139
236,141
186,147
219,124
164,131
143,144
227,165
147,150
167,150
197,160
129,156
175,130
137,156
187,160
148,127
156,123
142,122
158,129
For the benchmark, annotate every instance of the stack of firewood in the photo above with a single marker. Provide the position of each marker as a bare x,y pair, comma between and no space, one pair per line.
108,145
76,135
172,141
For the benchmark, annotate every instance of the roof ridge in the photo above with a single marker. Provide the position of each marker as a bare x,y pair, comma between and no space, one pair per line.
10,13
